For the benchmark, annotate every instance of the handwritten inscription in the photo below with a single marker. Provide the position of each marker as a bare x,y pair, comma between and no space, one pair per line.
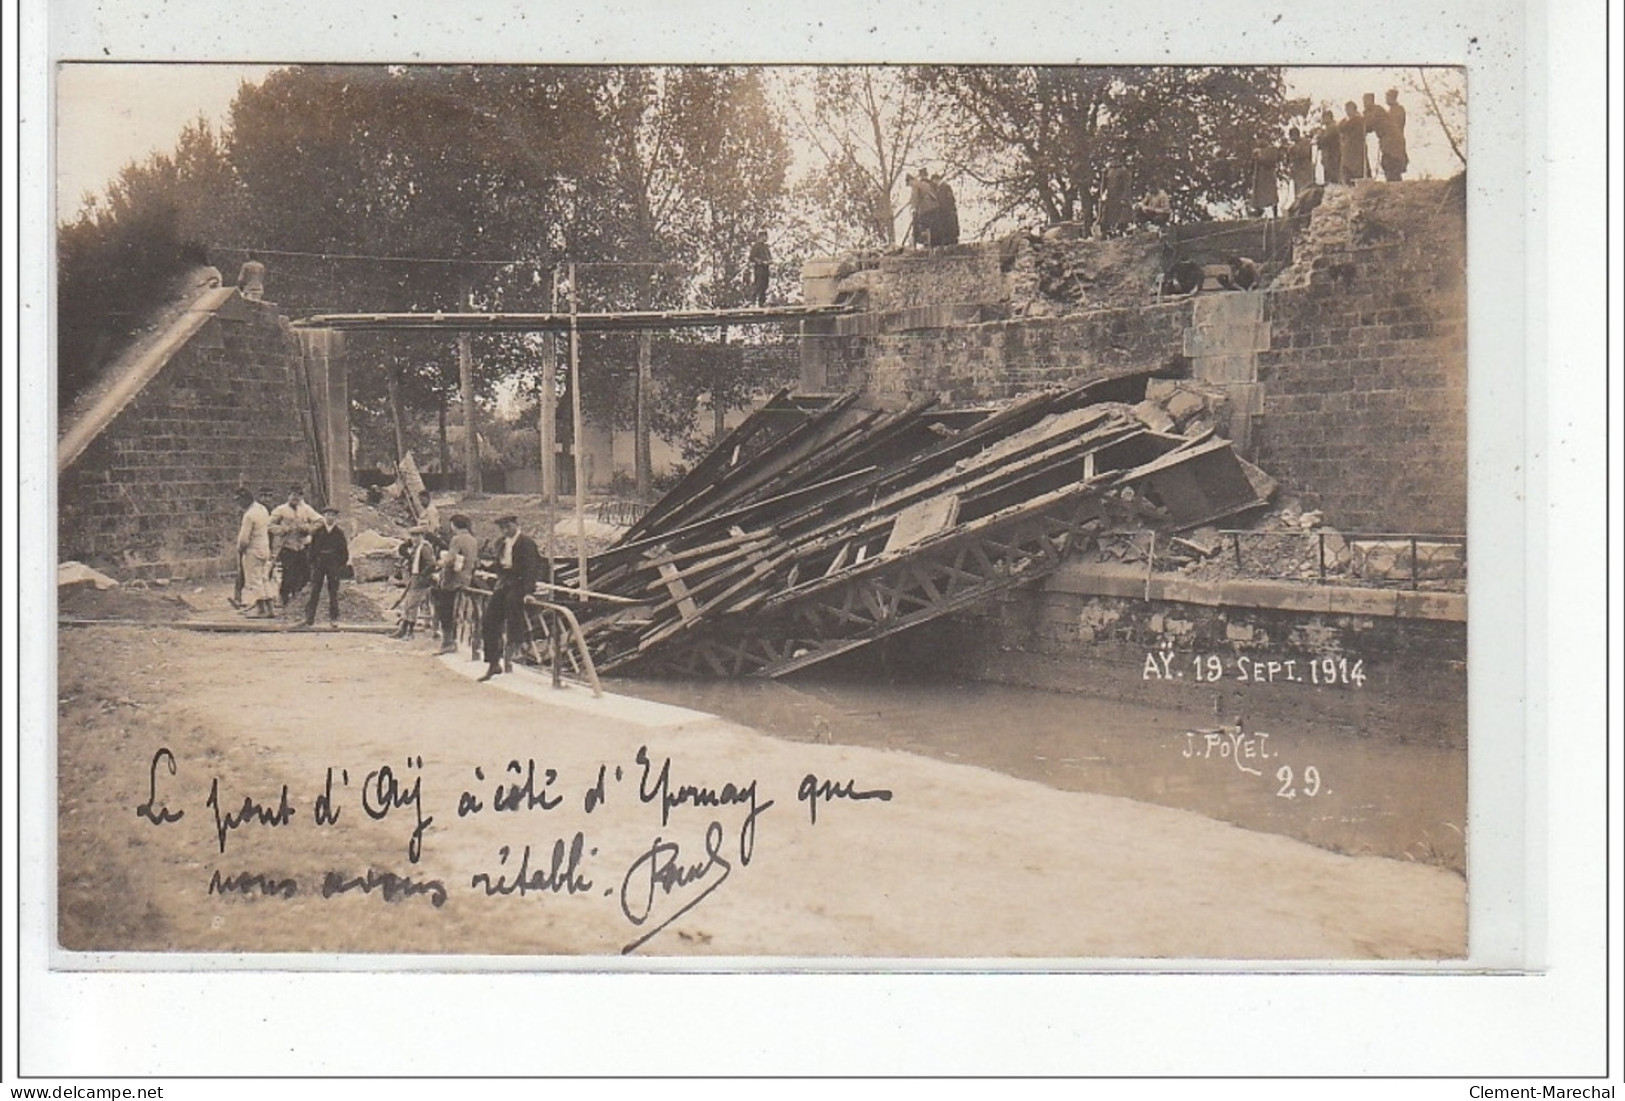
251,812
703,831
813,789
563,875
1247,750
1334,670
155,810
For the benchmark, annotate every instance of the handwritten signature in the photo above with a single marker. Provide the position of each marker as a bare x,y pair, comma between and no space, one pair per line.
661,869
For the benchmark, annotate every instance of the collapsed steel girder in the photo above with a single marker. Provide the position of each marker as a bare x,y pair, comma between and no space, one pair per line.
952,574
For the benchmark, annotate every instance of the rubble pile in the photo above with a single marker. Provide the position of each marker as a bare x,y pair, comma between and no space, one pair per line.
1185,406
1060,272
1296,544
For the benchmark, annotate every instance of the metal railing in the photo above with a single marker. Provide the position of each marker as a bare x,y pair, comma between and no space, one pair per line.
620,511
548,625
1380,558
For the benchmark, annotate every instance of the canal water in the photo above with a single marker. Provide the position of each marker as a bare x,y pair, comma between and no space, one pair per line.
1312,780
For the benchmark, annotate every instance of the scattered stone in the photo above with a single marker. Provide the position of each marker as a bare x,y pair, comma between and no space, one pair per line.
1153,416
1195,546
77,573
1183,404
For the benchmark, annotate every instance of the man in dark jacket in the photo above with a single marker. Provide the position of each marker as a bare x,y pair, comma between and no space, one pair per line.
761,269
519,567
1330,142
922,196
1352,132
1391,140
947,213
329,553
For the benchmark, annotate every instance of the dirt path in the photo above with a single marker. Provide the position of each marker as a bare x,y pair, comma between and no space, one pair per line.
953,861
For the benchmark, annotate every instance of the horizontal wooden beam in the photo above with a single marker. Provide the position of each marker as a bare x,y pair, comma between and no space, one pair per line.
622,321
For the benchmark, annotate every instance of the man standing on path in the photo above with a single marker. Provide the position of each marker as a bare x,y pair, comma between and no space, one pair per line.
519,567
923,197
329,554
1266,197
456,574
291,525
1114,208
422,554
254,553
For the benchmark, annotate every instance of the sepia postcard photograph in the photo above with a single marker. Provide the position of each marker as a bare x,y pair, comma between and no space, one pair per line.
856,541
898,512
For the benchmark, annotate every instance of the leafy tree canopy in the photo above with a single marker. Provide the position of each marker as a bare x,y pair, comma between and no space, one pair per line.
1039,139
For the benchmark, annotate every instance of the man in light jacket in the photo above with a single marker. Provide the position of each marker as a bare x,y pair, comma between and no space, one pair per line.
254,553
456,574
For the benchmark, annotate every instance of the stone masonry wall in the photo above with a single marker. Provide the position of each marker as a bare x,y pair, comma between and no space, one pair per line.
151,496
975,363
1347,374
1364,383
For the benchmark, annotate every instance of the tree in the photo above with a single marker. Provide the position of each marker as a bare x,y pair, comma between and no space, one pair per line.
412,188
700,162
422,188
1039,139
123,256
868,125
1445,95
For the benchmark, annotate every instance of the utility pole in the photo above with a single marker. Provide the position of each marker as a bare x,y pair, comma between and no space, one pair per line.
471,433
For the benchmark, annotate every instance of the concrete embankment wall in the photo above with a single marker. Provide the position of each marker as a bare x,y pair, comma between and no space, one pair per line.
1384,663
150,493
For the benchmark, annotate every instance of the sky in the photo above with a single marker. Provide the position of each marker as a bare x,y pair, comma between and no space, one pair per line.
108,115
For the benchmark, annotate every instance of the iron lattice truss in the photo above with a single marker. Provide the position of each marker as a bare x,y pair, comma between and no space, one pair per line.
960,573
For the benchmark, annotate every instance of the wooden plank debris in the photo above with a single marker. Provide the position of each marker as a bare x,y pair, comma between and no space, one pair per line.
819,525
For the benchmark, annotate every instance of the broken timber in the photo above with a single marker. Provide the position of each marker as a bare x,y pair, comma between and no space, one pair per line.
819,526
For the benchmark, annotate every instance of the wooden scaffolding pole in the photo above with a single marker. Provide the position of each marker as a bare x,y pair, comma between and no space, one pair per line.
471,429
575,419
642,458
547,426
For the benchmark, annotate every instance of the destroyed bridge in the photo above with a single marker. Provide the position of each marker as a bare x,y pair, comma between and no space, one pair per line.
818,525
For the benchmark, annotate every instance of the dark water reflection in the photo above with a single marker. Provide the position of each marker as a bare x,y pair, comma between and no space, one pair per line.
1315,781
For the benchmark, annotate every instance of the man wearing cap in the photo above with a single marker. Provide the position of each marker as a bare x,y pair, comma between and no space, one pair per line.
422,554
254,554
456,574
329,553
519,567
